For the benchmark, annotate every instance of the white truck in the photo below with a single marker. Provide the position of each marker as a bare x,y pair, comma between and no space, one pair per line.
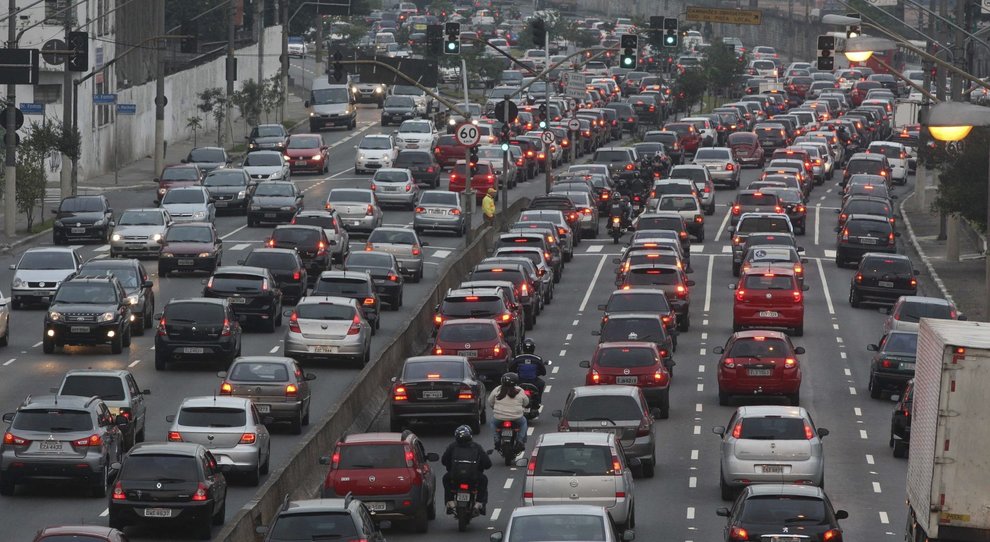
948,466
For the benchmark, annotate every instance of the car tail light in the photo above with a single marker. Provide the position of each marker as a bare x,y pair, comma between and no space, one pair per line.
370,211
730,167
201,493
399,394
887,364
465,393
416,251
809,433
683,234
10,438
832,535
914,283
801,208
736,209
437,319
506,317
294,322
355,327
859,277
291,390
682,292
297,274
617,469
595,377
729,363
798,269
740,295
374,186
369,302
659,377
226,389
845,234
642,430
271,242
790,363
890,238
118,492
797,295
174,436
778,209
248,438
225,331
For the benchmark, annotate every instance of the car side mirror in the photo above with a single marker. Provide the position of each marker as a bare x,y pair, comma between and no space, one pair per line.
13,267
557,413
805,288
600,307
884,310
155,180
221,374
628,535
8,417
837,211
722,511
495,537
732,229
54,211
962,318
148,284
690,283
121,421
718,350
837,229
521,462
822,432
634,463
804,261
719,430
170,418
261,529
585,364
732,286
656,412
306,104
917,272
158,316
184,161
841,514
873,348
433,457
310,376
325,460
799,350
596,333
897,233
617,261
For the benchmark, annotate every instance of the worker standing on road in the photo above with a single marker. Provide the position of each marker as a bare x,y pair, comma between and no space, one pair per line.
488,207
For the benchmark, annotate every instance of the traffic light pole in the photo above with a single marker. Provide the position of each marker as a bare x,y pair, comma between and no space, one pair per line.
469,176
546,95
505,161
65,177
10,160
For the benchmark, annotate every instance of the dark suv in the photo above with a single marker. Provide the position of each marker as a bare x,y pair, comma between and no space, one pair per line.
177,482
88,310
422,164
526,291
285,265
357,285
883,278
137,285
64,437
252,293
390,472
861,234
82,218
199,329
310,242
323,519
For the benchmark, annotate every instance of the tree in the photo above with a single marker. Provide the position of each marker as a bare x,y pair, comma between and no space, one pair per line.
721,67
688,89
31,179
194,124
214,102
248,101
962,187
272,95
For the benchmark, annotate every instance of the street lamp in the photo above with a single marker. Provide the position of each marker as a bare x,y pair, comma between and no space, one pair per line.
861,48
952,121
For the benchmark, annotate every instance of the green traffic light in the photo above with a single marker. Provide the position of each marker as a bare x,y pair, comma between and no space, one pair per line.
451,45
627,61
543,124
505,147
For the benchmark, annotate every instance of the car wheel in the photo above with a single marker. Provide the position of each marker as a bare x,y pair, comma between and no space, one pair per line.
874,388
420,522
48,346
99,489
649,466
116,523
161,361
221,514
900,449
126,336
723,398
431,509
205,530
270,323
117,344
854,300
799,331
295,426
735,270
395,426
728,493
684,324
795,399
5,339
366,356
665,405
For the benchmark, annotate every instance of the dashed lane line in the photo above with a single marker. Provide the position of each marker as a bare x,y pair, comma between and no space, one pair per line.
883,518
697,249
852,390
496,513
240,246
694,455
440,254
569,336
708,283
274,349
726,249
828,296
555,369
232,232
508,483
697,430
702,351
857,411
9,361
818,219
690,512
37,344
574,323
133,363
869,459
693,481
562,353
595,248
701,387
862,434
847,372
876,487
548,388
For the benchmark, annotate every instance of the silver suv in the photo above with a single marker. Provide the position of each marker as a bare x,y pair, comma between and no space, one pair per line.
118,390
61,437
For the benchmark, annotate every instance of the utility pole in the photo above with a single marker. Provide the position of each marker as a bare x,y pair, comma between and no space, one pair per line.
259,28
159,18
469,180
284,5
958,55
10,161
546,100
231,70
65,176
318,54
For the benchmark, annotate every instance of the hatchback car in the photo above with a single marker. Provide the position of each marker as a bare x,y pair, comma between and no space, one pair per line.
439,210
759,363
329,327
310,519
669,279
139,232
375,151
189,204
197,329
862,234
356,285
893,363
404,244
883,278
770,445
252,292
307,152
191,247
276,386
273,202
769,296
479,340
266,166
82,218
208,158
748,201
333,227
437,388
39,272
384,270
909,310
285,266
422,164
396,187
310,242
120,393
562,521
357,208
175,176
631,364
872,164
775,511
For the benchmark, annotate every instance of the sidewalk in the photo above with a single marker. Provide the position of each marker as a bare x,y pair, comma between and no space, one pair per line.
137,175
960,282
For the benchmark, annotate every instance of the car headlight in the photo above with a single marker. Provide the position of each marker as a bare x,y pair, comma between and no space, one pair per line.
58,223
117,237
132,299
100,222
275,176
312,113
167,255
386,159
452,122
105,317
241,194
252,145
162,190
205,255
54,315
379,90
316,157
199,214
156,237
354,90
361,156
17,283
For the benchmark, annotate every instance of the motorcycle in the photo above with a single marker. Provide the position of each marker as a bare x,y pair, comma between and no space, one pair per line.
464,505
615,228
507,444
535,399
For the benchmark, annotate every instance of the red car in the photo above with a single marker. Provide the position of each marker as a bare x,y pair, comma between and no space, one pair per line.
759,362
480,340
448,151
80,533
389,472
746,148
632,364
307,152
481,181
175,176
769,296
687,135
860,89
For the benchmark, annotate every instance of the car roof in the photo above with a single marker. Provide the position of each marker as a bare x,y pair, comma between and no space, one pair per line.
116,263
664,214
759,268
754,411
307,506
241,270
272,250
50,249
210,300
264,359
187,449
579,437
337,273
425,359
605,390
634,316
45,401
563,509
888,256
639,291
97,372
68,530
872,218
753,333
924,299
226,401
786,489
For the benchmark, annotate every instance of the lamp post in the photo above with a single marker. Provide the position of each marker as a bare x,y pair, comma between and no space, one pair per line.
953,121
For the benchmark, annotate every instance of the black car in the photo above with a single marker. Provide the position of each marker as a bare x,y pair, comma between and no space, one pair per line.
267,137
893,363
422,164
285,265
782,511
197,329
671,143
229,189
177,482
437,388
82,218
862,234
88,310
483,299
208,158
792,201
646,107
273,201
398,109
137,285
252,292
310,242
526,291
642,300
357,285
384,271
883,278
900,422
626,115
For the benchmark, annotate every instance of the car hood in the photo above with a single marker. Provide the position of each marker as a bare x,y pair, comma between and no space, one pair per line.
375,153
43,275
187,248
89,308
273,201
262,170
226,189
82,218
139,230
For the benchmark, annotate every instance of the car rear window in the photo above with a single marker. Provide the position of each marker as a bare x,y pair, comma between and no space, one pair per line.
598,407
889,151
774,509
759,347
693,174
865,166
638,303
108,388
52,420
677,203
530,255
763,223
298,236
653,277
459,332
772,428
875,228
372,456
471,306
768,282
626,357
613,156
399,237
152,467
211,417
259,372
632,329
349,196
193,312
427,370
912,311
573,460
886,265
867,208
660,223
756,200
271,260
230,282
314,526
901,343
713,154
340,286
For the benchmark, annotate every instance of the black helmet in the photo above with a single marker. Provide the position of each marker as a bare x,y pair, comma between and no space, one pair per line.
529,346
510,379
462,434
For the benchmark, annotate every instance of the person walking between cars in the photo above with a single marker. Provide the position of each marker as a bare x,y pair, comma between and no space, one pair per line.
488,207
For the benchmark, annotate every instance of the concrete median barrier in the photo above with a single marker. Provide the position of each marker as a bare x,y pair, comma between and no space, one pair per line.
302,476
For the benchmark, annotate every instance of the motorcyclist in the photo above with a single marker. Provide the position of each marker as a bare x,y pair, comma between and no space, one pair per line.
466,462
529,366
622,208
508,402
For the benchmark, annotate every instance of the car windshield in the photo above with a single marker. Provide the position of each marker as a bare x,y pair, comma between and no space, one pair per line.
371,456
368,259
868,228
297,527
595,407
268,130
262,159
913,311
325,311
108,388
758,347
613,156
768,282
274,189
677,203
400,101
207,155
183,197
99,293
52,420
429,370
407,90
625,357
771,428
574,460
340,286
82,205
304,143
782,509
46,260
467,332
713,154
471,306
193,312
348,196
221,177
128,276
189,234
211,417
901,343
632,329
180,174
395,237
557,528
375,143
325,96
439,198
271,260
415,127
391,176
141,218
249,371
151,468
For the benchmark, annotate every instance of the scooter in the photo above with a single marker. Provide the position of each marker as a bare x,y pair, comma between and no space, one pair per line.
507,444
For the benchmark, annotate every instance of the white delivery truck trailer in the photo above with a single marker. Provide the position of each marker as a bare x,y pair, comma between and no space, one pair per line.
948,482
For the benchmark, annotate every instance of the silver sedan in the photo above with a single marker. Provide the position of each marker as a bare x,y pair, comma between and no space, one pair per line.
327,327
357,208
440,210
138,232
404,244
720,164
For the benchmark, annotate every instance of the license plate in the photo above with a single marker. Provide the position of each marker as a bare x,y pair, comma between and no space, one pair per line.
463,497
325,349
868,240
769,314
626,380
772,469
906,366
300,162
375,506
219,203
774,538
264,409
435,211
51,445
412,146
237,300
468,353
390,189
79,329
157,512
78,230
759,372
192,350
356,223
885,284
433,394
186,262
269,215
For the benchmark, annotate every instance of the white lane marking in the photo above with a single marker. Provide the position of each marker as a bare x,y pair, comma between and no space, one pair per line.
548,388
708,284
37,344
102,248
829,191
847,372
697,249
496,513
508,483
697,430
883,518
134,363
240,246
105,513
555,369
529,431
335,175
8,362
701,368
704,322
862,434
574,323
876,487
591,287
726,249
857,411
838,340
835,327
704,335
869,459
232,232
842,355
273,350
562,353
440,254
828,297
829,253
690,512
698,407
721,228
818,219
702,351
595,248
693,481
701,387
569,336
852,390
694,455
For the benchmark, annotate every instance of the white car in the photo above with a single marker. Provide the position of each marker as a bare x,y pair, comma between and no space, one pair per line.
297,47
375,152
138,232
266,166
39,272
897,156
416,134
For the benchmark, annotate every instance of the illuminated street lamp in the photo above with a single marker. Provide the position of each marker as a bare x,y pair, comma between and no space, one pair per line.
861,48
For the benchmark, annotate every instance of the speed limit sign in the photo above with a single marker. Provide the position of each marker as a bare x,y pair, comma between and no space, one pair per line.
548,137
573,125
468,135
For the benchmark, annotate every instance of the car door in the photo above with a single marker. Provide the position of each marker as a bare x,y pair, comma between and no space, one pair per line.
429,477
216,481
138,407
263,435
302,384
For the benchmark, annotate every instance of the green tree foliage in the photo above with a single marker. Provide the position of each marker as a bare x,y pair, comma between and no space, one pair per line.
721,67
688,88
43,140
213,101
248,101
963,180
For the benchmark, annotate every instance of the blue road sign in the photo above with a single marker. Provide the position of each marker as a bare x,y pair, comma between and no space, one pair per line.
32,108
126,109
104,99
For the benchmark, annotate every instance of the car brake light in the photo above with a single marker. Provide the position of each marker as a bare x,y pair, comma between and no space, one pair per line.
730,167
808,432
369,302
797,296
10,438
617,469
832,535
291,390
595,377
399,394
174,436
790,363
465,393
740,295
201,493
294,322
118,492
736,209
659,377
890,238
225,331
248,438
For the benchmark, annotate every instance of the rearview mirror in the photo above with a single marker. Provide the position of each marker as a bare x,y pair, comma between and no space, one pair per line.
873,348
8,417
148,284
822,432
841,514
170,418
585,364
884,310
656,412
719,430
690,283
596,333
895,397
600,307
495,537
722,511
628,535
718,350
521,462
221,374
799,350
557,413
324,460
310,376
805,288
732,286
617,260
432,456
306,104
261,529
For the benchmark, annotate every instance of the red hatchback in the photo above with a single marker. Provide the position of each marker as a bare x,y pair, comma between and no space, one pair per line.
769,296
637,364
480,340
481,181
687,135
176,176
307,152
448,151
759,362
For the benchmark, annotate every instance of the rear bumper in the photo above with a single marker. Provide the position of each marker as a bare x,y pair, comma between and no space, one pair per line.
759,385
130,513
190,350
876,292
395,506
429,410
18,469
739,473
750,317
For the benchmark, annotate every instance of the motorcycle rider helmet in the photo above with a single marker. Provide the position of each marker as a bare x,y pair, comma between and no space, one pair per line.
462,434
510,379
529,346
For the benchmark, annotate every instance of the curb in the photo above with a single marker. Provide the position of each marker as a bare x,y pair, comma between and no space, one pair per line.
921,253
23,241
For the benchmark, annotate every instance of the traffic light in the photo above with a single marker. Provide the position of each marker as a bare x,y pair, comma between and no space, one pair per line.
543,116
434,39
670,38
452,45
338,68
826,48
79,60
630,48
539,29
853,31
473,160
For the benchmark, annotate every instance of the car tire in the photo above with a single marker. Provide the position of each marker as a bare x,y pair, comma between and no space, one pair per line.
125,338
205,530
395,426
221,514
420,522
795,399
295,425
735,269
431,509
854,299
684,324
665,405
48,346
728,493
161,361
270,323
99,489
5,338
723,398
701,236
875,391
900,449
365,357
384,123
799,331
117,344
649,467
